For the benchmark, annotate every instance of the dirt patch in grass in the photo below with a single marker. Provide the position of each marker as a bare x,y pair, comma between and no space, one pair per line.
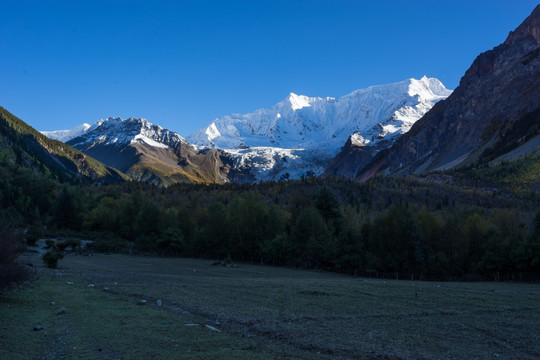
256,312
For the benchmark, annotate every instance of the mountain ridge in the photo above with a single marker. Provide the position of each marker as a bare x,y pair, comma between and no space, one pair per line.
149,153
300,135
288,123
294,138
33,149
492,111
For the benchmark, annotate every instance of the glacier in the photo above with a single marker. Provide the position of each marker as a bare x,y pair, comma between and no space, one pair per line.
299,135
294,138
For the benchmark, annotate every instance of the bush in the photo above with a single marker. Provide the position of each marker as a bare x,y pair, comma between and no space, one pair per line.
61,245
11,271
107,243
50,243
74,243
50,258
33,234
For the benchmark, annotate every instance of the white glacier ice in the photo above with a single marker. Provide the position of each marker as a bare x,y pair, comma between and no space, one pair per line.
315,128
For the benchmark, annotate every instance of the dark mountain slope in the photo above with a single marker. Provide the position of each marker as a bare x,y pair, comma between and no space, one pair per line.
494,110
351,158
29,148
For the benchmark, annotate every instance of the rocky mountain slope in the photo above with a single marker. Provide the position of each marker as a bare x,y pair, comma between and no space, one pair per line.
147,152
493,114
296,137
300,135
28,148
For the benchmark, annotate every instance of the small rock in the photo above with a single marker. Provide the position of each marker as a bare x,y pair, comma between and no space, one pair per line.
212,328
91,285
61,311
53,303
159,303
141,302
69,283
106,288
37,328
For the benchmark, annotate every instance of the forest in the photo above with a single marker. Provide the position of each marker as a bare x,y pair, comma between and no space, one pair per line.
404,228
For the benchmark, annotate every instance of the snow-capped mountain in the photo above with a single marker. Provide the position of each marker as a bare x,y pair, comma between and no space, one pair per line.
118,131
300,134
147,152
66,135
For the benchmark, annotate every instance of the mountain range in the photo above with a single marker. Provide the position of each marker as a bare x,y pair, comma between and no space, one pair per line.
296,137
147,152
410,127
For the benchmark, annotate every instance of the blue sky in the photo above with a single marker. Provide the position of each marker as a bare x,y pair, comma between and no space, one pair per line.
181,64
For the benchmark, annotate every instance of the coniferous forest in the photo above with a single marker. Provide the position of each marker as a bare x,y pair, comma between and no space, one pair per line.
405,228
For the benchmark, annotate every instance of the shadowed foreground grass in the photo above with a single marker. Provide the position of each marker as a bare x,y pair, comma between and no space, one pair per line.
256,312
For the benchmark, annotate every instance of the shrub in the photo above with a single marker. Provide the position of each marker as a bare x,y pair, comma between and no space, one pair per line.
33,234
61,245
11,271
74,243
107,243
50,258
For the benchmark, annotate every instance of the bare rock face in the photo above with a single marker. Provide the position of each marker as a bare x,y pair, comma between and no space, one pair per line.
352,158
494,110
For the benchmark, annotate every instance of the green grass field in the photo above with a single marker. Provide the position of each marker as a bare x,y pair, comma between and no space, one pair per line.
257,312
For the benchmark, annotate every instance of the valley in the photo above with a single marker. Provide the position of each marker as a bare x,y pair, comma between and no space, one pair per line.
259,312
399,221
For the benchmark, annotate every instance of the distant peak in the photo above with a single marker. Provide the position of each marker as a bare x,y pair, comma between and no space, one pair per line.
66,135
298,101
428,87
120,119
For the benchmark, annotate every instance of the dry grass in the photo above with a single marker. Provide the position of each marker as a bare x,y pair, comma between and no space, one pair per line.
265,312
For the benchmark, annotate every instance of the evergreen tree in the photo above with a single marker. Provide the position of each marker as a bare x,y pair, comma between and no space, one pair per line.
66,213
312,240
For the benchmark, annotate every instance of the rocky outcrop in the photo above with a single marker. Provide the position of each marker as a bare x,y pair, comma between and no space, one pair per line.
353,156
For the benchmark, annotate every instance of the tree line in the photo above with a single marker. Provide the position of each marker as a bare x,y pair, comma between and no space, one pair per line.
391,227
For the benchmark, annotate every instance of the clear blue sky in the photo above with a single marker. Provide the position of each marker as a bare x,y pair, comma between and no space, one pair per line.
181,64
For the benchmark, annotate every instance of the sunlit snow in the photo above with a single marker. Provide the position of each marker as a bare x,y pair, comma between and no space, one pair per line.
320,125
141,138
66,135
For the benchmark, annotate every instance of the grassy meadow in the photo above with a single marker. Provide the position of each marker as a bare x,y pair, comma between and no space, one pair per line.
258,312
